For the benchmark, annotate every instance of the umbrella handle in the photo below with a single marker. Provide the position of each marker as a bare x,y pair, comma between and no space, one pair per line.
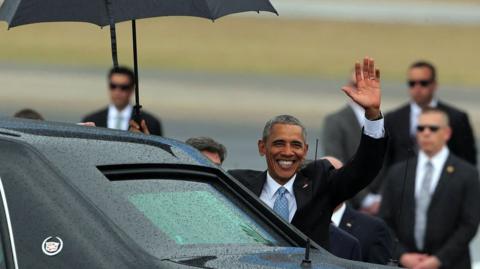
137,106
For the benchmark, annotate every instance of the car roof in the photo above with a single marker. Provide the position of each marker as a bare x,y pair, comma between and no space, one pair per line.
85,142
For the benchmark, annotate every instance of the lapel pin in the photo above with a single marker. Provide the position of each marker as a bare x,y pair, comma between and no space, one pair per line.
450,169
349,225
304,186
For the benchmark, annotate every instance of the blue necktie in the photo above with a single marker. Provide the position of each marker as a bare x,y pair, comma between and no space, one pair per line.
281,203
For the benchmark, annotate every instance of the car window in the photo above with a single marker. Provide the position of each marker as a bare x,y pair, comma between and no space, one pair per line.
165,215
199,217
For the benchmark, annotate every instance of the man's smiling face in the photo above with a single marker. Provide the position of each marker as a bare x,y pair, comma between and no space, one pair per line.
285,150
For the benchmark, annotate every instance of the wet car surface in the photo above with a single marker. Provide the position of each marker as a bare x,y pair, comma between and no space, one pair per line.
83,197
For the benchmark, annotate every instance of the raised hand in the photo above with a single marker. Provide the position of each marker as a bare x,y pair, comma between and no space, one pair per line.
368,93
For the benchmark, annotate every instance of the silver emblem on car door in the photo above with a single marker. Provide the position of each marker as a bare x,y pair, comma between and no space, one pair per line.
51,246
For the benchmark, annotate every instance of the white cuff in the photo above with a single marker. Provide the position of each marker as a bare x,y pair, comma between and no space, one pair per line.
374,128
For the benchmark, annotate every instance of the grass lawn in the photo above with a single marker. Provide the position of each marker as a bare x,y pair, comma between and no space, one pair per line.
268,45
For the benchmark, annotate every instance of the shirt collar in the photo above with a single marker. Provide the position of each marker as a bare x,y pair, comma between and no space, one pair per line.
126,113
338,215
272,186
416,108
437,161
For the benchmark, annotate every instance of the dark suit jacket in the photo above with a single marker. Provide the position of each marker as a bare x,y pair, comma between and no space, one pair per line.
401,145
340,137
101,117
319,188
372,233
343,245
453,214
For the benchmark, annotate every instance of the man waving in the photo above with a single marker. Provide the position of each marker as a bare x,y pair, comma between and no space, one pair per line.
307,196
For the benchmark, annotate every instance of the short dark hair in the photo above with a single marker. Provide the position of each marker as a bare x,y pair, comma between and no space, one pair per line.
434,110
28,113
122,70
425,64
282,119
208,144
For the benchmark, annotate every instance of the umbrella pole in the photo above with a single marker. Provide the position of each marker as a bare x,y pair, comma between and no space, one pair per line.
113,39
137,106
113,33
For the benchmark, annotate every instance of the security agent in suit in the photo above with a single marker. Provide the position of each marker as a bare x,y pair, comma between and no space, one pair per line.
344,245
401,123
306,197
119,113
438,196
372,233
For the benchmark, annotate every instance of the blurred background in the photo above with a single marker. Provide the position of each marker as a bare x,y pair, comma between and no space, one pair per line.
226,78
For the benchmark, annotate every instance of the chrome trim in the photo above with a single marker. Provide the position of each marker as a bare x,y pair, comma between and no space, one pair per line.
9,224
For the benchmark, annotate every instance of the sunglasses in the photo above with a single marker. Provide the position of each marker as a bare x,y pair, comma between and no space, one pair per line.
423,83
432,128
123,87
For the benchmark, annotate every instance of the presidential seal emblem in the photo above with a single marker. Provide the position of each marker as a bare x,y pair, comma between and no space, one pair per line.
51,246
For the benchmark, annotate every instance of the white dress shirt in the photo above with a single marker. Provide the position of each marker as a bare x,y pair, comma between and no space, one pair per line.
438,162
269,194
338,215
415,111
114,115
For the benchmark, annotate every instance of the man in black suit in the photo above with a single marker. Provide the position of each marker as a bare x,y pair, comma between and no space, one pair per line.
307,196
401,123
119,113
372,233
432,201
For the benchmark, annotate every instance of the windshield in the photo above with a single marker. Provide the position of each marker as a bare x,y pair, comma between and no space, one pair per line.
164,215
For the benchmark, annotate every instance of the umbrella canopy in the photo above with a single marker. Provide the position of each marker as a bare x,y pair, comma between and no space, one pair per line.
109,12
103,12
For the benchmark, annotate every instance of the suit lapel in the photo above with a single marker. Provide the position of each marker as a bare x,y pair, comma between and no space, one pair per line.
348,219
447,171
302,190
409,205
256,184
103,118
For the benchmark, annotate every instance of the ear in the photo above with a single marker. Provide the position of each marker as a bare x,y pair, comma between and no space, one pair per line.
448,133
262,148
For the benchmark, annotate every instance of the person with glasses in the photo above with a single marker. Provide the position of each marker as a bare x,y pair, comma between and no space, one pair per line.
432,200
119,113
402,122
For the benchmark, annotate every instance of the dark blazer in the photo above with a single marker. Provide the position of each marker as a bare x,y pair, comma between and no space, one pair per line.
340,137
101,117
343,245
453,214
372,233
401,144
319,188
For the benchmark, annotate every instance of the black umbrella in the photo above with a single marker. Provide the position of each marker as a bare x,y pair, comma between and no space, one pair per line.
109,12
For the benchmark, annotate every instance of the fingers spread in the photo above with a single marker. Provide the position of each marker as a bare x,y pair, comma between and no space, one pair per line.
358,72
366,66
377,74
371,68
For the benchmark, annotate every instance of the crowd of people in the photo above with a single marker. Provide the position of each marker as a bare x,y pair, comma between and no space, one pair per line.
396,187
